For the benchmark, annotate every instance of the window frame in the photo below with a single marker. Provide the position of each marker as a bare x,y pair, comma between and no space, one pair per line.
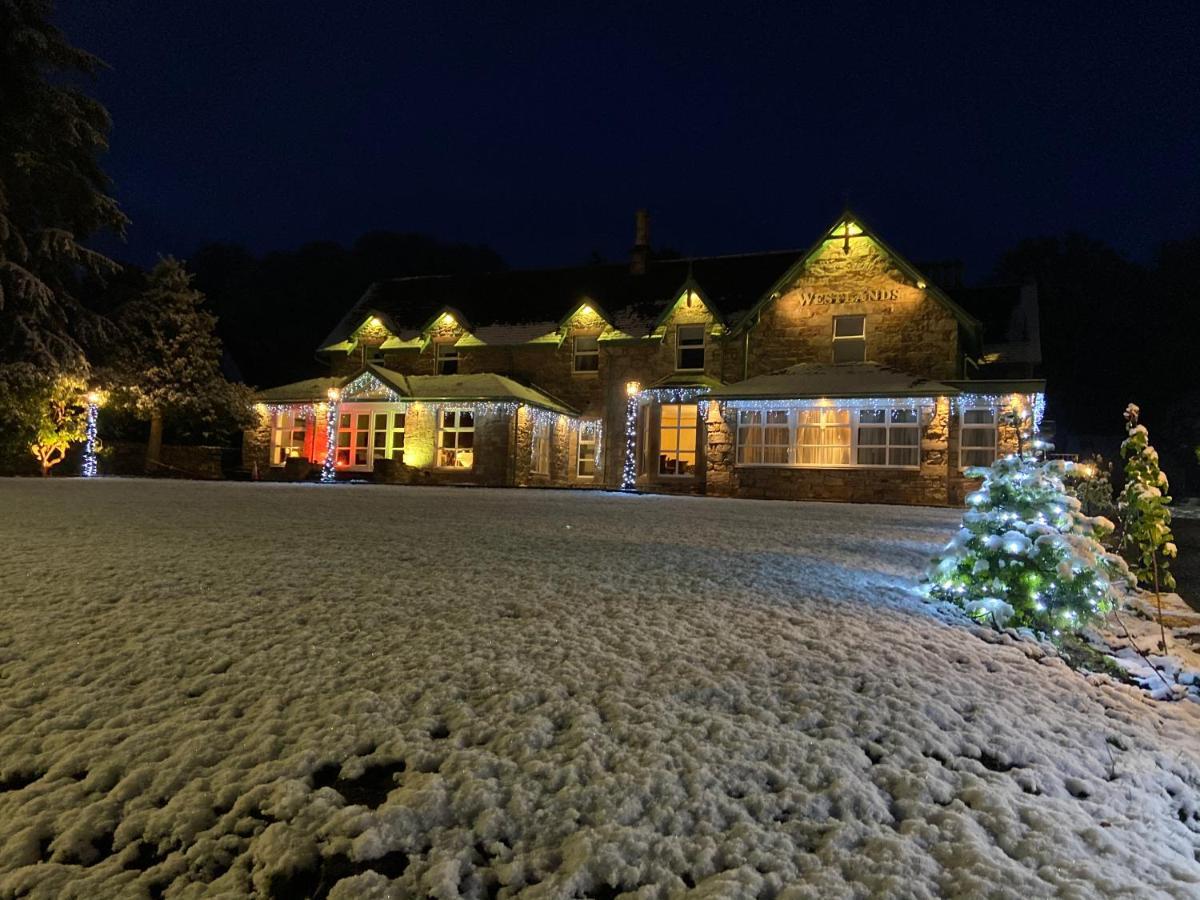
963,427
457,429
444,352
854,424
681,348
593,457
762,424
577,355
278,429
539,447
344,456
846,339
887,426
679,430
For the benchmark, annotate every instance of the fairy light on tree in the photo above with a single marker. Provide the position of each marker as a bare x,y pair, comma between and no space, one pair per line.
1026,555
90,468
629,471
329,468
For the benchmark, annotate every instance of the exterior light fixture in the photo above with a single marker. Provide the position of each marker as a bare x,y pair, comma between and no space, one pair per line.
632,387
333,394
921,285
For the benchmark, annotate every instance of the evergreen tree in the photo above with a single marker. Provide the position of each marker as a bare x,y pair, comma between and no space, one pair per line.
1026,555
53,193
170,361
1145,512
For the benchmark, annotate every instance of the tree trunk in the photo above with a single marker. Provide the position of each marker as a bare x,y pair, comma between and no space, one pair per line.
154,445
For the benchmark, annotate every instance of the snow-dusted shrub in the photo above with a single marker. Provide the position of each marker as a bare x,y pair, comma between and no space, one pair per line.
1145,508
1026,555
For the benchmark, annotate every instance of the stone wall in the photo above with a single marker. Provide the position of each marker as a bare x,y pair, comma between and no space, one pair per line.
906,328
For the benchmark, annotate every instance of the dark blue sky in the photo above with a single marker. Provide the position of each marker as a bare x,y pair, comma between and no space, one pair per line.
954,128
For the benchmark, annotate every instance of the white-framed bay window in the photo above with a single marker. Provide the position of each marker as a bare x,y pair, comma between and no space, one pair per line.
289,430
764,437
823,436
978,436
456,439
888,437
541,446
829,436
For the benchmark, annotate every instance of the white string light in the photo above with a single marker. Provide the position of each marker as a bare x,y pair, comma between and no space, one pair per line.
329,468
90,469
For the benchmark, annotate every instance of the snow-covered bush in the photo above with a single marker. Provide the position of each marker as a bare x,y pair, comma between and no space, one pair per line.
1026,555
1145,508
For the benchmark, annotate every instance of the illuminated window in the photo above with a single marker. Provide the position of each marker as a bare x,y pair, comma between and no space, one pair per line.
678,430
888,437
849,339
689,348
764,437
541,446
823,436
387,435
587,354
365,435
354,439
586,449
446,359
456,439
288,432
977,438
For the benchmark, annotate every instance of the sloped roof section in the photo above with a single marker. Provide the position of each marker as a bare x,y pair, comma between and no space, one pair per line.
730,283
480,387
846,380
310,390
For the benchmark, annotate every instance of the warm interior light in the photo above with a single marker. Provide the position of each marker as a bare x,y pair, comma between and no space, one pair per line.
632,387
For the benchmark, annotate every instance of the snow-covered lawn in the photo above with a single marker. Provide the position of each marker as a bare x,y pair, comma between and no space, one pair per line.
222,689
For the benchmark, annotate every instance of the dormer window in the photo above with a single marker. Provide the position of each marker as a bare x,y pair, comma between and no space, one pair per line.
587,354
446,358
689,348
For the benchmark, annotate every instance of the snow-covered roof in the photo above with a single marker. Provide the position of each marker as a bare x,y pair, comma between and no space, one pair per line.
484,386
814,380
307,391
503,335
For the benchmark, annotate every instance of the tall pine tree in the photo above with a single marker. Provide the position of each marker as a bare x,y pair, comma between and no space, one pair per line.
170,362
53,193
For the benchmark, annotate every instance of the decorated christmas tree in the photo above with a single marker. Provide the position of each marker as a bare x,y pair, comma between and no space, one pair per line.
1145,512
1026,555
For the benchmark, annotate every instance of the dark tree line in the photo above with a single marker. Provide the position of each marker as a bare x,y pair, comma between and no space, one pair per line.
274,310
1114,332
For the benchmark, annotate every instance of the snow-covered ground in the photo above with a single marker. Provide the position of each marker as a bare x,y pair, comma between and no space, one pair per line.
222,689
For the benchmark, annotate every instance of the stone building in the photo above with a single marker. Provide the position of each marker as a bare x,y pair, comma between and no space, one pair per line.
837,373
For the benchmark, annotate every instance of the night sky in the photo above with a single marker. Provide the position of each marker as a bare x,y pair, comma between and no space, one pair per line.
955,130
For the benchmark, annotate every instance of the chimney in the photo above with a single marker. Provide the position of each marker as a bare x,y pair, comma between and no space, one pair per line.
640,254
